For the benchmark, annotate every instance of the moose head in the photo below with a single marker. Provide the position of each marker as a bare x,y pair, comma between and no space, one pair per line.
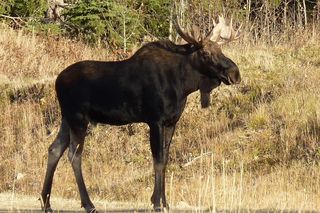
212,63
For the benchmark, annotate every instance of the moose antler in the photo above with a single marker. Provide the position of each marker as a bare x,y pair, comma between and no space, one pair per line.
220,33
223,32
184,35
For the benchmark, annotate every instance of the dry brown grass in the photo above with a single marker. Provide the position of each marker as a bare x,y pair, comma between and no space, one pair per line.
257,147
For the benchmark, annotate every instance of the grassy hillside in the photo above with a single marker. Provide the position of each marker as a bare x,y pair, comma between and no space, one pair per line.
256,147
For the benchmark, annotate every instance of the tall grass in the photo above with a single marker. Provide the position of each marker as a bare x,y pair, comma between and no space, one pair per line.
257,147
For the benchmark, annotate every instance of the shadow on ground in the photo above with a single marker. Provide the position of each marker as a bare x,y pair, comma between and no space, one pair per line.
171,211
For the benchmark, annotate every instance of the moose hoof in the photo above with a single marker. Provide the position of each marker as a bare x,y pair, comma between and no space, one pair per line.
157,209
91,210
48,210
160,209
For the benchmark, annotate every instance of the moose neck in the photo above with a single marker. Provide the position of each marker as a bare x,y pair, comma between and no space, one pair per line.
191,75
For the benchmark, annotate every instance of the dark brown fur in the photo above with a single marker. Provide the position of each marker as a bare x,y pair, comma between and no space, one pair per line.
151,87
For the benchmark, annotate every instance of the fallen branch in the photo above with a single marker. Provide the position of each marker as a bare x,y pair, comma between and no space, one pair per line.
195,159
64,5
13,19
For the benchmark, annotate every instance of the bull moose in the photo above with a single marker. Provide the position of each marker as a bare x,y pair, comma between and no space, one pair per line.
151,87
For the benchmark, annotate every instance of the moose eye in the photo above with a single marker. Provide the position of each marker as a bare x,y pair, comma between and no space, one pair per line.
207,54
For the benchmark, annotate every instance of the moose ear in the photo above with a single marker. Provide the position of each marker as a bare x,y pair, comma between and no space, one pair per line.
206,86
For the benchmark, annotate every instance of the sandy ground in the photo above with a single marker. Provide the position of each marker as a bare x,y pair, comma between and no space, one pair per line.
22,203
10,202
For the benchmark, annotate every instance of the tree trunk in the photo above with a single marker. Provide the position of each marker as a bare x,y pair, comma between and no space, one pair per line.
318,10
305,12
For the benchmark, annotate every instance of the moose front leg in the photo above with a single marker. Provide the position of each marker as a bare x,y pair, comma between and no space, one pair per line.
160,139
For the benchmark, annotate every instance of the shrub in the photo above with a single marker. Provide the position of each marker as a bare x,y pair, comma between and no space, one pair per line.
157,15
22,8
112,22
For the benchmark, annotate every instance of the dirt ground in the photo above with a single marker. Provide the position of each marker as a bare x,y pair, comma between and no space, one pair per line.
10,202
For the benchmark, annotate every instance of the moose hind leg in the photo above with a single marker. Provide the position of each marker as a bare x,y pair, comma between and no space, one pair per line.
55,152
75,150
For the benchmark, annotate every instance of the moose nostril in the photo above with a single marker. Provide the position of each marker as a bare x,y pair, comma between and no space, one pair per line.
238,80
234,75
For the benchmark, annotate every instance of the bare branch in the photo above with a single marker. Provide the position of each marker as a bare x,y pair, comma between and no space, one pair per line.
14,19
196,158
